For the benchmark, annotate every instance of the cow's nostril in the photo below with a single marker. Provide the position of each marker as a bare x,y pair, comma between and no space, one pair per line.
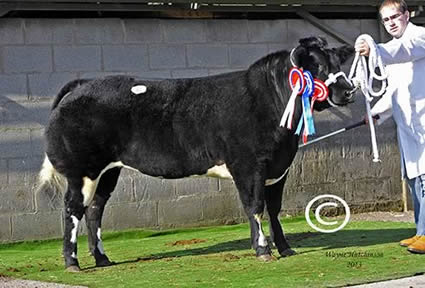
350,93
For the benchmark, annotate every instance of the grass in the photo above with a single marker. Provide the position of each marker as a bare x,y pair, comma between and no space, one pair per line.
221,257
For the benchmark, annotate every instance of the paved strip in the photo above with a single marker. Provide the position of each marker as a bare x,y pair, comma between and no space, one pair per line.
409,282
6,282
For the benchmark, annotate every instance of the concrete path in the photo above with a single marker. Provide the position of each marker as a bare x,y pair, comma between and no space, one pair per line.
409,282
6,282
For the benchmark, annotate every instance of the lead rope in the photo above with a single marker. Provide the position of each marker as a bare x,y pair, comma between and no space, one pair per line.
364,79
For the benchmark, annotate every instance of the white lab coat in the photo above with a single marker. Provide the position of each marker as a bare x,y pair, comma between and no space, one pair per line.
405,65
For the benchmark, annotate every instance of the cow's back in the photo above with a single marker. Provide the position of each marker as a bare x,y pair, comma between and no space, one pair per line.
182,124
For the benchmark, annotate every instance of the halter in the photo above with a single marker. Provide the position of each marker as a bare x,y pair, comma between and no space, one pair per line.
332,78
302,83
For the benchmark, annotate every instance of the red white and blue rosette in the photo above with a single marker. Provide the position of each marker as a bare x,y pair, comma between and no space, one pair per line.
318,91
297,84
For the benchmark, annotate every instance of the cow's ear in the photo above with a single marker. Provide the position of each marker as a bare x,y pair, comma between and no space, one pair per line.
344,52
297,54
318,42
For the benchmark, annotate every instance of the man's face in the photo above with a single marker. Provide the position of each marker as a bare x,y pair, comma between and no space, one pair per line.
394,20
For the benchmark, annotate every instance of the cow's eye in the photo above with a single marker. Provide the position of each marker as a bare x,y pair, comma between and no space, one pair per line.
314,68
323,69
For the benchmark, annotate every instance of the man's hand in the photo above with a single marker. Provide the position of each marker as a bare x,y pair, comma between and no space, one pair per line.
375,119
362,48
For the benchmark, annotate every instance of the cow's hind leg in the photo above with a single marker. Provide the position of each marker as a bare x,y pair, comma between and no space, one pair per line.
94,212
273,196
74,211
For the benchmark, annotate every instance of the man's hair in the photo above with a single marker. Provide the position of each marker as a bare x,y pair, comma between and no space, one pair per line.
399,4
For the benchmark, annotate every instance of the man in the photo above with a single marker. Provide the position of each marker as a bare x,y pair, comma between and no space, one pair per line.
404,57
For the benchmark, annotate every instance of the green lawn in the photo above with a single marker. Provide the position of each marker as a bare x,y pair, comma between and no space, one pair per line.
221,257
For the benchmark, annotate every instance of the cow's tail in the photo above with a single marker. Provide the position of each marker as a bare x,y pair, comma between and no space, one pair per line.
50,181
67,89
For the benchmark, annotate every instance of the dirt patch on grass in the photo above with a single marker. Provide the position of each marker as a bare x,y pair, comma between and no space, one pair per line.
407,216
186,242
11,269
230,257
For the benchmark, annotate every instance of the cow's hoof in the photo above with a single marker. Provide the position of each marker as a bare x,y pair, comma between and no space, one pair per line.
265,258
73,269
104,263
287,252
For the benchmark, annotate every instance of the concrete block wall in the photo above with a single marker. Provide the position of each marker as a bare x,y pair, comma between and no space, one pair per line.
38,56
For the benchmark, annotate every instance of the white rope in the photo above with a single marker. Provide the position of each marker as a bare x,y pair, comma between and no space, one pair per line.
270,182
364,72
362,78
333,78
291,58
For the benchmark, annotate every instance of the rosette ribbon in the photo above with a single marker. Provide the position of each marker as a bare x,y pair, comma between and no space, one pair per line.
307,116
320,92
297,83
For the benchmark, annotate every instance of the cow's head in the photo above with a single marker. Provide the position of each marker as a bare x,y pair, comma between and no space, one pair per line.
312,55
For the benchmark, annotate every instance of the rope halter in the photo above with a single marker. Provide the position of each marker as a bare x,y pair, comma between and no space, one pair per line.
332,78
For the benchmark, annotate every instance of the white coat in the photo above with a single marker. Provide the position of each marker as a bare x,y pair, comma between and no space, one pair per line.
405,66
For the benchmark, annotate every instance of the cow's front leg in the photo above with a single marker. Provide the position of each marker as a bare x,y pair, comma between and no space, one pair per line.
74,211
251,192
273,195
258,239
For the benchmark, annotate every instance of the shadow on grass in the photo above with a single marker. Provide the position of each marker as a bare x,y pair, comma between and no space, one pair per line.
314,240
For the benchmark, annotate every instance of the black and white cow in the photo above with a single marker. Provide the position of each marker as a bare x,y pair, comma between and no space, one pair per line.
225,125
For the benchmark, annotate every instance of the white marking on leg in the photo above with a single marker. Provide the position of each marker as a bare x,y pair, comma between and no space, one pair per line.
261,239
73,255
99,242
138,89
74,230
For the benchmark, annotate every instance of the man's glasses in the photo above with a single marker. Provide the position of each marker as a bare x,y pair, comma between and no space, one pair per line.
392,17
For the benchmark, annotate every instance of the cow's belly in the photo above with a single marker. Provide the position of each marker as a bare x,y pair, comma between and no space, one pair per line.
221,171
218,171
